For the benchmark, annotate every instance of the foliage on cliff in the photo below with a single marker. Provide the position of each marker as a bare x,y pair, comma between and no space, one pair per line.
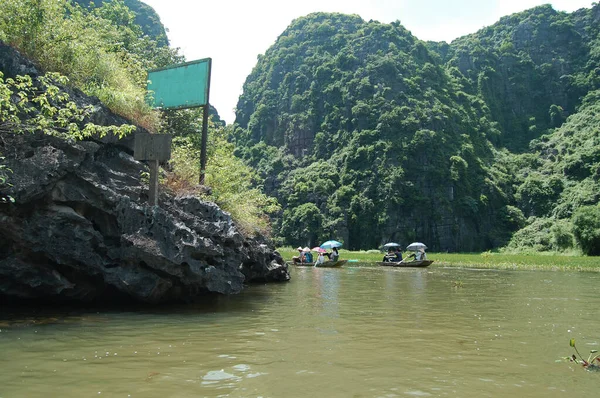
363,135
366,134
42,106
103,52
531,69
558,184
145,17
538,72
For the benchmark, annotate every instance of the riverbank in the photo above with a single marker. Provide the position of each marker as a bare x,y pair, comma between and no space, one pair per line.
522,261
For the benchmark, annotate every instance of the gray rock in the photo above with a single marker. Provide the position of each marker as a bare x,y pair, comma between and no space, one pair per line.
80,230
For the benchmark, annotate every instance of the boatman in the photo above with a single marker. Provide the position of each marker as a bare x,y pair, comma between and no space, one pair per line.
389,256
334,254
299,258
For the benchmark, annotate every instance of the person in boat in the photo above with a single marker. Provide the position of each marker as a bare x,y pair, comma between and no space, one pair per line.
389,256
299,258
398,255
419,255
334,256
320,259
308,257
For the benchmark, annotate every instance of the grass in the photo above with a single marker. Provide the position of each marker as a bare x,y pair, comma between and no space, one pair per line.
525,261
521,261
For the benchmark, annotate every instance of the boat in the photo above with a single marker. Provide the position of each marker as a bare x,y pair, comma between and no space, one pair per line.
326,264
420,263
301,264
331,264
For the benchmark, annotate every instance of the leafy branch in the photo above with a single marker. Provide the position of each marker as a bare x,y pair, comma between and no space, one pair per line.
40,105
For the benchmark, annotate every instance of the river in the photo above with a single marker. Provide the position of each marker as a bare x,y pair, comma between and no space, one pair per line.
358,331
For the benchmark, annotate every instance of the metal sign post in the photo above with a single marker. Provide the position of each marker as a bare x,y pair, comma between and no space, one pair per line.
203,144
184,86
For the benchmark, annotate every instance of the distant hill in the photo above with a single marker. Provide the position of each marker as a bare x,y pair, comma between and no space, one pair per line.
146,17
367,134
526,64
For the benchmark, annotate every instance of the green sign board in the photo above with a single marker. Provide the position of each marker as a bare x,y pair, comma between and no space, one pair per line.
180,86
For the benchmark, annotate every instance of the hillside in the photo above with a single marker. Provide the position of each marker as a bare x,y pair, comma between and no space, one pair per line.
531,68
145,17
366,134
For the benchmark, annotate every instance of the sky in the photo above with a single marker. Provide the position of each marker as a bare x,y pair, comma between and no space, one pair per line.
234,32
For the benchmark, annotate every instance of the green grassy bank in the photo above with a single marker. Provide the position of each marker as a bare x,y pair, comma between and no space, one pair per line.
525,261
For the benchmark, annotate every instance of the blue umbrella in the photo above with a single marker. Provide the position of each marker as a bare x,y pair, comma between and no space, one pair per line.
331,243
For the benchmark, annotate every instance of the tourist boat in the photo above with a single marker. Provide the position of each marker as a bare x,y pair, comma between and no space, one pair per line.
420,263
300,264
331,264
326,264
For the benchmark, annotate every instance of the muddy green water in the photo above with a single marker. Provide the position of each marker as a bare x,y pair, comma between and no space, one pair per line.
359,331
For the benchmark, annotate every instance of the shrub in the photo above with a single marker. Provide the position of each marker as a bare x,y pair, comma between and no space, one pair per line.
233,185
542,234
586,228
43,106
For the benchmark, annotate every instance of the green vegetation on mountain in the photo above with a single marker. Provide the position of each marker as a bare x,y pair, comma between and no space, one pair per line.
145,17
530,68
366,134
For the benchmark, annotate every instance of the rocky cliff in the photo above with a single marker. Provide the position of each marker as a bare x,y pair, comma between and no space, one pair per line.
79,228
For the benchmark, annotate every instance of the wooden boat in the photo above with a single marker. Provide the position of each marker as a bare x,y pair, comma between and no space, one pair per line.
301,264
420,263
326,264
331,264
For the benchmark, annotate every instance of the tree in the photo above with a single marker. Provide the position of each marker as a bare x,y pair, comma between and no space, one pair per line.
586,228
302,224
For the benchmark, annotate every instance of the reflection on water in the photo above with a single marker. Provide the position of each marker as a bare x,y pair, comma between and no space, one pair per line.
359,331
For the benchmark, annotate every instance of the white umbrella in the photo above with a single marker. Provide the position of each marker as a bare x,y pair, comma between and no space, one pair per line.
416,246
